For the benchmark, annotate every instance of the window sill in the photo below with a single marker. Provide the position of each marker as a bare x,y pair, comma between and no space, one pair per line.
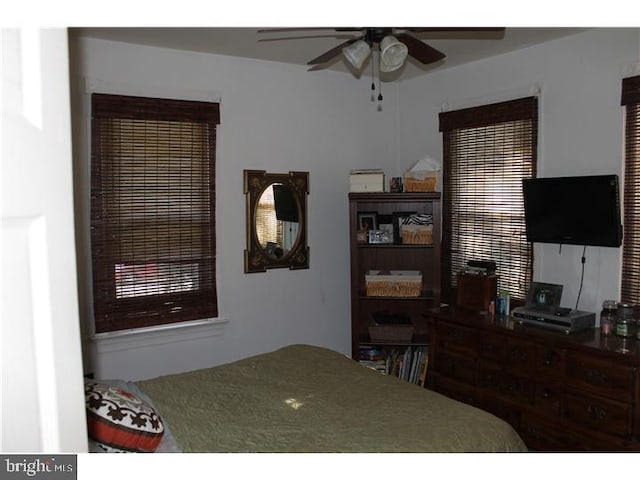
158,335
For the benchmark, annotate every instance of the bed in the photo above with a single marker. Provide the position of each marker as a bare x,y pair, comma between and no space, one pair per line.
304,398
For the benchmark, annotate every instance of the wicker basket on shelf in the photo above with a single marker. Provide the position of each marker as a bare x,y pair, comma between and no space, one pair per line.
417,234
391,333
395,283
415,184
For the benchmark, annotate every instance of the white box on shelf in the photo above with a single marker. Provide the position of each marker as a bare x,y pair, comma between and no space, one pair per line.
366,181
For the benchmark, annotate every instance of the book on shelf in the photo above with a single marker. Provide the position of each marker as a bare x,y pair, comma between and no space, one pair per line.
408,364
423,372
377,365
371,353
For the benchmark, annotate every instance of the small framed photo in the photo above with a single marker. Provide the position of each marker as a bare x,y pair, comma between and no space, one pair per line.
544,295
380,236
397,222
395,185
385,223
362,236
367,220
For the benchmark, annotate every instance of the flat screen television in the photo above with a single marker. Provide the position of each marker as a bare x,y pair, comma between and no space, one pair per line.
573,210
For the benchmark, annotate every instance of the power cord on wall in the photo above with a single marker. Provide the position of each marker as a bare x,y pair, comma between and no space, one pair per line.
583,260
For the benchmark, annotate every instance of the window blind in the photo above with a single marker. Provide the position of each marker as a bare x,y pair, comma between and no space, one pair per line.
152,211
268,228
630,288
488,150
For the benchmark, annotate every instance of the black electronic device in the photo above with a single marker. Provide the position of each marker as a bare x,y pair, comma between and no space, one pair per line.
285,204
562,320
582,210
486,264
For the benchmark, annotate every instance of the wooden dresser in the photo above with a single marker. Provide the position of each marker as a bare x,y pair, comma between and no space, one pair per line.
576,392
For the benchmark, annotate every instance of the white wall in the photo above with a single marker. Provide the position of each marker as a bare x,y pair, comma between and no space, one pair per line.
581,129
274,117
280,117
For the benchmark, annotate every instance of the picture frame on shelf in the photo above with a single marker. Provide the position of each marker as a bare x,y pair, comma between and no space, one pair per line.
362,236
395,185
380,236
385,223
397,222
367,220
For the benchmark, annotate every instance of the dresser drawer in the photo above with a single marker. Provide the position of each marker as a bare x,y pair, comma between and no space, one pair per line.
457,339
520,355
454,389
492,348
550,362
458,367
547,398
545,435
601,377
508,385
599,414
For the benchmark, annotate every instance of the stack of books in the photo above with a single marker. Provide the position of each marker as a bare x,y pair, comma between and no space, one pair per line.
409,364
373,357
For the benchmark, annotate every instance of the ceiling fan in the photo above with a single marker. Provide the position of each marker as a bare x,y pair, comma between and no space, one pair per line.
393,44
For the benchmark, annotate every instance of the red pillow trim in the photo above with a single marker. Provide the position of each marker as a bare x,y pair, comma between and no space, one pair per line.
121,420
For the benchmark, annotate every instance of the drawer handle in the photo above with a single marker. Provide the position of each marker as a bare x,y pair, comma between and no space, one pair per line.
518,354
596,412
548,359
596,377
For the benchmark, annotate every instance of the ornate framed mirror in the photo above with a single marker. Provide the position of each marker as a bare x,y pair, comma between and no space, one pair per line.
276,220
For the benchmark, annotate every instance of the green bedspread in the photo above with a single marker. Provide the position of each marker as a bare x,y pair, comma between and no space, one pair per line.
303,398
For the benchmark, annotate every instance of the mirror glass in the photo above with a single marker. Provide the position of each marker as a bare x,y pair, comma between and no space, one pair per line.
276,220
277,215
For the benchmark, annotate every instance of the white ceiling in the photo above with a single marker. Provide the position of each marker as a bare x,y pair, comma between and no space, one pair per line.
301,46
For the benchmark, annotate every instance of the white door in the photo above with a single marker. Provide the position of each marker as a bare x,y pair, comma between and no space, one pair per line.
42,386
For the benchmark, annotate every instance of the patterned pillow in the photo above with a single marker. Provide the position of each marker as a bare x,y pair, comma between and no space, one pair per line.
120,421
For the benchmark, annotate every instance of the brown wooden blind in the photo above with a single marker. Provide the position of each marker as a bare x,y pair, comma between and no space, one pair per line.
268,228
152,211
630,289
488,150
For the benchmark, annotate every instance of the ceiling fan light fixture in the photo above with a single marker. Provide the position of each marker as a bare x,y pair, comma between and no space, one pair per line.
393,54
357,53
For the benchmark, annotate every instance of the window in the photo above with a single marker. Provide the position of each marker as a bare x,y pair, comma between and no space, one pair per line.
488,150
268,228
152,211
630,291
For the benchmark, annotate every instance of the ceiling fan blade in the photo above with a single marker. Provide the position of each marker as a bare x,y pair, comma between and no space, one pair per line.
339,36
453,29
325,57
420,50
292,29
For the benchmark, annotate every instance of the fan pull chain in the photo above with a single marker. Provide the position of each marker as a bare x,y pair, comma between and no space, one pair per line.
379,87
373,78
373,84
